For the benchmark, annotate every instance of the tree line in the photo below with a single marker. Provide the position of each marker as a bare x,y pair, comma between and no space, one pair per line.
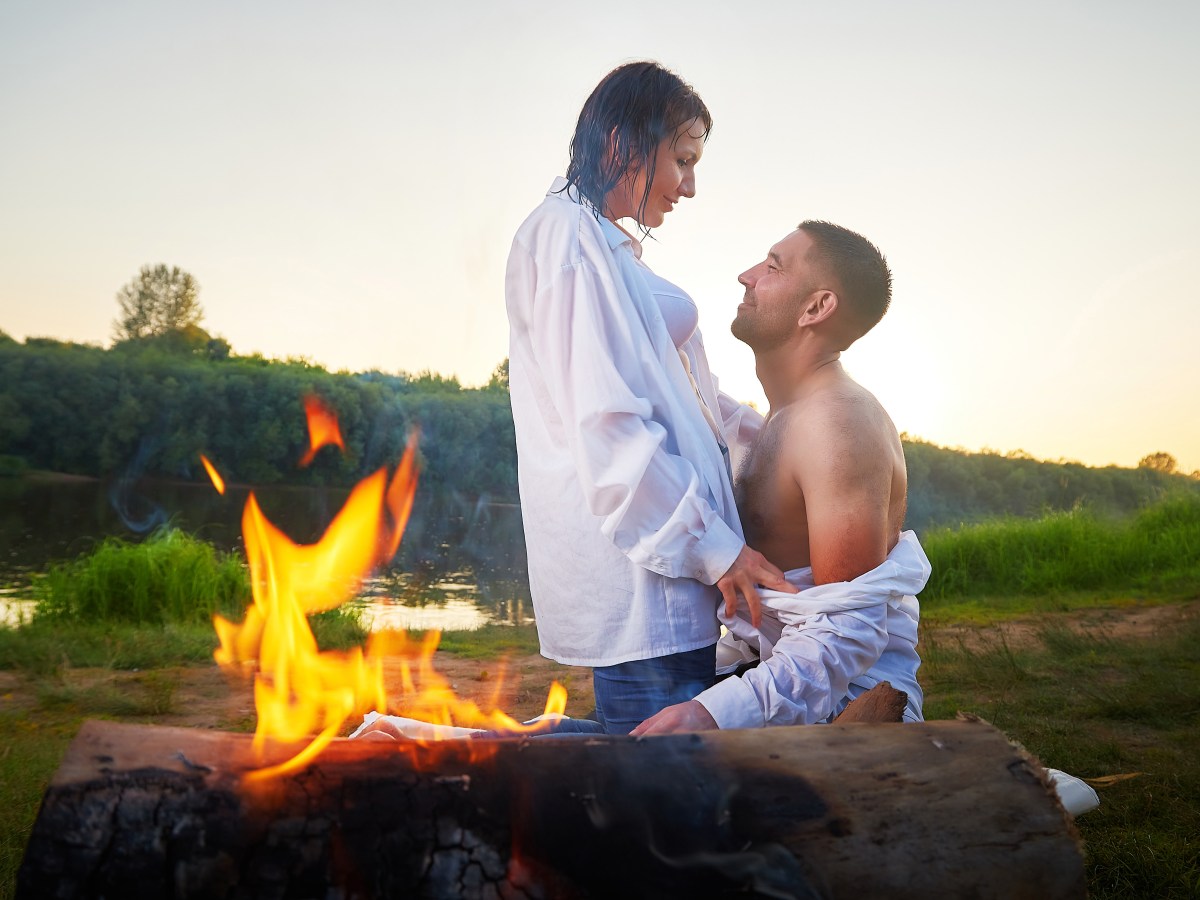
150,408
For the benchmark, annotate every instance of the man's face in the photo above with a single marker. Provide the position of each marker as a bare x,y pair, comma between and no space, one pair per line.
776,291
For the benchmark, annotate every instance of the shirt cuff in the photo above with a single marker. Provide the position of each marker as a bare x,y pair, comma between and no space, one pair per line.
714,553
732,704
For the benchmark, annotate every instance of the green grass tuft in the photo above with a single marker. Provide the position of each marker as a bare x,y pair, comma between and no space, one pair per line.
339,629
1072,558
170,577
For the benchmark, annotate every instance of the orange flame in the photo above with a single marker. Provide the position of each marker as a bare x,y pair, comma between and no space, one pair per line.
301,691
322,428
213,475
429,697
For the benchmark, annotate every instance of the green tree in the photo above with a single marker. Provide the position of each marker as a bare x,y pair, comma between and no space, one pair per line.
161,300
499,379
1159,462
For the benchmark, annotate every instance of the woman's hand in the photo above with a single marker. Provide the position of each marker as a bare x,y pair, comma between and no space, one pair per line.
749,570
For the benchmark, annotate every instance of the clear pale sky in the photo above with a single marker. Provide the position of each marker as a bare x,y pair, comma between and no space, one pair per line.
344,181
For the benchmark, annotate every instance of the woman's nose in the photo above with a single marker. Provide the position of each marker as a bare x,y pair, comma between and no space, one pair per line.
687,187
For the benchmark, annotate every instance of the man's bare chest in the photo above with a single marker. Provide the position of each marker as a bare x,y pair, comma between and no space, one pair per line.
771,503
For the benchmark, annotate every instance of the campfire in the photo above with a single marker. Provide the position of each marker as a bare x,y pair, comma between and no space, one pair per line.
913,810
301,692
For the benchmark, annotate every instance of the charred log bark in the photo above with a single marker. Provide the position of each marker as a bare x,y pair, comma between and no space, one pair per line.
940,809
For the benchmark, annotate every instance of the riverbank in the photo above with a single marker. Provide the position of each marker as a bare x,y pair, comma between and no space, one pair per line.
1107,693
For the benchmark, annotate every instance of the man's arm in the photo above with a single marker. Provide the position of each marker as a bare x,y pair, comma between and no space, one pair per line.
808,673
843,471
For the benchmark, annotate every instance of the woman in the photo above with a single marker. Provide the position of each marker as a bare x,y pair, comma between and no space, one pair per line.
622,465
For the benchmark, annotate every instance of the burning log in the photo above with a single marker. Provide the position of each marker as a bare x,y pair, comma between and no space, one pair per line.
939,809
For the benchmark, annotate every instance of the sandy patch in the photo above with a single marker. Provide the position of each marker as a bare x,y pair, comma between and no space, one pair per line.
1133,622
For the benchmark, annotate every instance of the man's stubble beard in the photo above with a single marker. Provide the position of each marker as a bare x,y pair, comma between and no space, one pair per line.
742,327
756,330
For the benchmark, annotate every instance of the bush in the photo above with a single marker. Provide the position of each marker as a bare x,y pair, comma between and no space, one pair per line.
170,577
1157,550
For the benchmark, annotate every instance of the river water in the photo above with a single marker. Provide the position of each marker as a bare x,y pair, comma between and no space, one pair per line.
461,563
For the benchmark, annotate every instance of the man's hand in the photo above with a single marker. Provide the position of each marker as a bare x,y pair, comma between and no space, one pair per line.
689,716
749,570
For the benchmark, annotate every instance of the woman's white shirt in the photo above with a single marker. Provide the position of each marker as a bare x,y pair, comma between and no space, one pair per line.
628,511
677,309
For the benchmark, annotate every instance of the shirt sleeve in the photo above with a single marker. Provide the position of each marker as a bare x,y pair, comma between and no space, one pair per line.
808,673
593,355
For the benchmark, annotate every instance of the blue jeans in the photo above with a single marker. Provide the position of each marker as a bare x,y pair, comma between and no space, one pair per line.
631,692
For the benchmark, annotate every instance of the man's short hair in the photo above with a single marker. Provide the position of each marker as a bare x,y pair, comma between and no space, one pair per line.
864,282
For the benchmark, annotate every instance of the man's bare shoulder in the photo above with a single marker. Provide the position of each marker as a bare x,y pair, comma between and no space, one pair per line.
839,415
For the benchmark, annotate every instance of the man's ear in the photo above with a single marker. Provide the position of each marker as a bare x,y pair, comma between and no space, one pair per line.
820,306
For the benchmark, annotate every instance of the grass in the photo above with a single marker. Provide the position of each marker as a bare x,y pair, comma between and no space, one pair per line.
1094,705
490,641
46,647
169,577
1089,703
147,605
34,747
146,695
1065,560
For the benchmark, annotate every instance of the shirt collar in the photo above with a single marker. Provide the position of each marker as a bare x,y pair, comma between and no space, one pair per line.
615,235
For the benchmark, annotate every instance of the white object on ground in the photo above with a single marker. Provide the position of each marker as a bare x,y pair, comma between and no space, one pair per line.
427,731
1076,795
416,729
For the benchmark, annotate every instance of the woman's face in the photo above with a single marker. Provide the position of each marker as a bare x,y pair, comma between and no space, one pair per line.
673,177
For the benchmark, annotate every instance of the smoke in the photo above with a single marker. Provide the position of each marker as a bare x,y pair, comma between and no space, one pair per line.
137,512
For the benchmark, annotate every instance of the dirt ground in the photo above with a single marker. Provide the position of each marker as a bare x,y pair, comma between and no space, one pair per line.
1132,622
207,697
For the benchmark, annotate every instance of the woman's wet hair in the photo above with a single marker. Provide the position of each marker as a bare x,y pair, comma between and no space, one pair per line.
631,111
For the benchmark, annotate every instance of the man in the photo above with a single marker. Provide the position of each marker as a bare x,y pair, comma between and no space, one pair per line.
821,494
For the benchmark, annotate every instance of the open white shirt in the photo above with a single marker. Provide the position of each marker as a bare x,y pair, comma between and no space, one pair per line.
824,646
628,511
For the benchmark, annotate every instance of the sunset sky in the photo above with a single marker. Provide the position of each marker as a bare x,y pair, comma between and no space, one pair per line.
344,181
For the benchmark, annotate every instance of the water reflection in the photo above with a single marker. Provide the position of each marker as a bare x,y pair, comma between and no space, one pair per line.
446,601
461,563
452,615
14,610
